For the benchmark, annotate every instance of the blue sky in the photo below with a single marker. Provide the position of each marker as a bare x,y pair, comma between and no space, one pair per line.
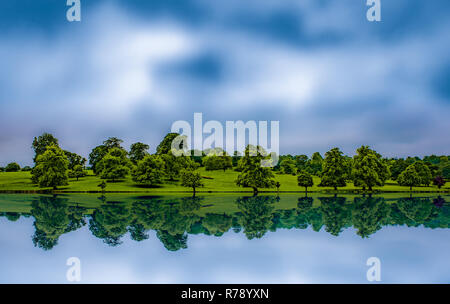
132,68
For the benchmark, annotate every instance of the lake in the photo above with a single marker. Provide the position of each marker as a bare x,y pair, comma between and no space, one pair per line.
123,238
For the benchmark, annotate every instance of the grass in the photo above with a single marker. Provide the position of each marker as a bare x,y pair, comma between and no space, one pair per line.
215,181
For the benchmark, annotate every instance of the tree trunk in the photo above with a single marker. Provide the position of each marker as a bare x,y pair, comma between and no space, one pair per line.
255,191
410,188
370,188
335,188
306,190
193,188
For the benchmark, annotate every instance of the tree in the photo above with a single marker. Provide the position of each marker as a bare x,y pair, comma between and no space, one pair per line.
138,151
288,166
215,162
409,177
149,171
75,160
12,167
369,169
192,179
301,162
253,174
278,185
305,179
446,171
114,165
40,144
315,164
439,181
25,169
165,147
101,151
102,186
334,169
77,172
424,173
397,167
51,168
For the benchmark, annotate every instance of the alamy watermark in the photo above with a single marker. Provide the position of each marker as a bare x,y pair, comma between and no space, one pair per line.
235,136
73,274
374,272
74,11
374,11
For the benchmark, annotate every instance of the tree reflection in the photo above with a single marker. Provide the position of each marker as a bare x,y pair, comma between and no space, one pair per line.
335,214
368,215
173,219
257,214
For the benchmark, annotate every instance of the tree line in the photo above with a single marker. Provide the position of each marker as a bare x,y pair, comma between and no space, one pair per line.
112,162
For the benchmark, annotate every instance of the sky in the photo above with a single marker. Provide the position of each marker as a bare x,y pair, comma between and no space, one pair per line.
131,68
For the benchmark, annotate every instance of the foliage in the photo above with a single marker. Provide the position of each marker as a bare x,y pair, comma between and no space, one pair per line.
191,179
101,151
410,177
149,171
369,169
77,171
288,166
304,179
12,167
439,181
41,143
51,168
115,165
215,162
75,160
335,169
253,174
138,151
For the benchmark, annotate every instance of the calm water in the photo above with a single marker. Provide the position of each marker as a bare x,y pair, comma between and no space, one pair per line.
224,239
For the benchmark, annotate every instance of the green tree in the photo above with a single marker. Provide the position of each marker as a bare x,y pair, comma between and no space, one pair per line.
75,160
253,174
77,172
115,165
191,179
315,164
410,177
149,171
288,166
12,167
165,147
51,168
215,162
424,173
301,162
397,166
369,169
305,179
101,151
138,151
40,144
334,169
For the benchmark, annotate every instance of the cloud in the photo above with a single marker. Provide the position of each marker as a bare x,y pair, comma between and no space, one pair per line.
328,75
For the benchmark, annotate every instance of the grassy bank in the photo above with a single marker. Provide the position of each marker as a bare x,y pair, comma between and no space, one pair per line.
215,181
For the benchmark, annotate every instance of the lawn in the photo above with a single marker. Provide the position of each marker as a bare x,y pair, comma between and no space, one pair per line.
215,181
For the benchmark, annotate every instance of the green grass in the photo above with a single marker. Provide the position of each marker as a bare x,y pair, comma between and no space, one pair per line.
217,181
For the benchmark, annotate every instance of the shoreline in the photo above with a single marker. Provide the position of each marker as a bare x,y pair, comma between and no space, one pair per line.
217,191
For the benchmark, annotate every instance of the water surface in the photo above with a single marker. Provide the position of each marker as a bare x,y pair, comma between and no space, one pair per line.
224,239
